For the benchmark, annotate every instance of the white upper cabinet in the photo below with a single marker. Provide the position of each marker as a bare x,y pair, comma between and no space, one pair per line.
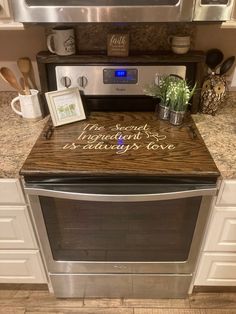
6,17
4,9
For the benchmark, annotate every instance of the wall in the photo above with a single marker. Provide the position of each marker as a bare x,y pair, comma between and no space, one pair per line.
22,43
150,36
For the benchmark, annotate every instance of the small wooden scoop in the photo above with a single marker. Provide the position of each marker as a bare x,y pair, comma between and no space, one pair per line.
24,67
9,77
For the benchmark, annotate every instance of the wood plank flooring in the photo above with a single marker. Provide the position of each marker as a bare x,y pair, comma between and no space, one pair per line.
40,301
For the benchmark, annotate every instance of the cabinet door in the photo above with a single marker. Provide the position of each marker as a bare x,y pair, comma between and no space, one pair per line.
21,267
15,228
217,270
222,232
4,9
227,194
11,192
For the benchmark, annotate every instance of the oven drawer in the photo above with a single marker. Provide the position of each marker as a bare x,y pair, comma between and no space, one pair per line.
120,285
23,266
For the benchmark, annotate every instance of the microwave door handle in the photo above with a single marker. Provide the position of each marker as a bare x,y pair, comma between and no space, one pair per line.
120,197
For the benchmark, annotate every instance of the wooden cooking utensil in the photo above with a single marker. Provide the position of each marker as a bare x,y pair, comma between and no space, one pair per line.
213,58
32,75
9,77
22,83
24,67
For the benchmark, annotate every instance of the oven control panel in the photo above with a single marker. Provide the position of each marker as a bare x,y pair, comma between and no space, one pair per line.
113,80
120,76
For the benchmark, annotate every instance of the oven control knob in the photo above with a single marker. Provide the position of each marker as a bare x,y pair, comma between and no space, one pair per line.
82,81
66,81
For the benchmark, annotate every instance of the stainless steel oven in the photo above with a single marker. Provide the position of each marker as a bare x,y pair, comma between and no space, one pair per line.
121,239
77,11
120,200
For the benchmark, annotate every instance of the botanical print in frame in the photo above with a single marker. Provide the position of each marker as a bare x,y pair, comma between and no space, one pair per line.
65,106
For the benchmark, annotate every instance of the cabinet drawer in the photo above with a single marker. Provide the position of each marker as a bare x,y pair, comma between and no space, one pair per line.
222,232
227,194
217,270
11,192
21,267
16,231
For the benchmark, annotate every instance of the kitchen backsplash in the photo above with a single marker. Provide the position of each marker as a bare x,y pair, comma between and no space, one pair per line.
143,36
93,37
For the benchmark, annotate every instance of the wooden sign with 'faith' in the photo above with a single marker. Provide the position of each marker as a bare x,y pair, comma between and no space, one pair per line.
118,45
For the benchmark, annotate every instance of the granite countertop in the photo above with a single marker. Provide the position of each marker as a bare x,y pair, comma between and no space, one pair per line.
19,135
219,134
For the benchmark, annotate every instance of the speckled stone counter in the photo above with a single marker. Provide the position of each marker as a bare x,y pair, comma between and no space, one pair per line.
17,137
219,134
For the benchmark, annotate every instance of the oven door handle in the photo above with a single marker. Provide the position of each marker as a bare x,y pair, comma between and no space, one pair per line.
121,197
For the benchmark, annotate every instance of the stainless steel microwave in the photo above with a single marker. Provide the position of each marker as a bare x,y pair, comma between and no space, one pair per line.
75,11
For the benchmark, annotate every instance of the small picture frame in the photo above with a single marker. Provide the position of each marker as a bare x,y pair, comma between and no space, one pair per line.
65,106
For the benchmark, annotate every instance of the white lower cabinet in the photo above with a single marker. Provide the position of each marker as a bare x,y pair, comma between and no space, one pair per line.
20,259
217,270
21,266
217,265
222,232
15,228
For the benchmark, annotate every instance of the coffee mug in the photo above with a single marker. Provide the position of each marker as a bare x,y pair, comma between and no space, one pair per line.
62,41
179,44
29,105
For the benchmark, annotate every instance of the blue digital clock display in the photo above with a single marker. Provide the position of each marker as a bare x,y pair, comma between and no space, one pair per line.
120,76
120,73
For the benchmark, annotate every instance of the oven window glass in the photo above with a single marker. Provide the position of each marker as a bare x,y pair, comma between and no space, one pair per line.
133,231
99,3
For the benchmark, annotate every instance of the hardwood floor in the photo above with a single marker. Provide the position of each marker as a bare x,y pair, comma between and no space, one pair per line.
40,301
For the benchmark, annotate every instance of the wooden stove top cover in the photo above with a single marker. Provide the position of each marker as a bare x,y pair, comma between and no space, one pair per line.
121,144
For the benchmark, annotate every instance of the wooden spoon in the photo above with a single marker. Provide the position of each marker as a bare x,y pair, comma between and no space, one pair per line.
32,74
24,67
9,77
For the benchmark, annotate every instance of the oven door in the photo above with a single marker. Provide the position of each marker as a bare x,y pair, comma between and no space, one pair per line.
58,11
120,228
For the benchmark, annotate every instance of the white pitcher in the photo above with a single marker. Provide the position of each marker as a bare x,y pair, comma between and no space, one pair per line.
29,105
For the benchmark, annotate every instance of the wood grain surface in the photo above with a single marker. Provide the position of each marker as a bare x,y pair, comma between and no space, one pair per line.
121,144
149,57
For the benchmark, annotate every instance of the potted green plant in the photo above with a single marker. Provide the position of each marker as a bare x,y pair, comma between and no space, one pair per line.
160,91
178,95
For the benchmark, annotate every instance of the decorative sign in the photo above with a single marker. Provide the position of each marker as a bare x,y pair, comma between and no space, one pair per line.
120,139
118,45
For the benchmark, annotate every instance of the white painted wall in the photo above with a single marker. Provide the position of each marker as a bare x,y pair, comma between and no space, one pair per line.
22,43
